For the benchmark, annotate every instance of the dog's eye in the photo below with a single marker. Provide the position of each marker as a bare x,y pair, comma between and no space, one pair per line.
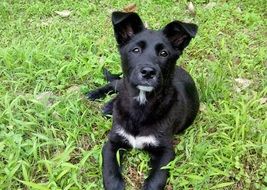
163,53
136,50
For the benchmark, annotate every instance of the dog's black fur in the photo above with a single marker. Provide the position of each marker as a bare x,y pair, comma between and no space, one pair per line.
148,62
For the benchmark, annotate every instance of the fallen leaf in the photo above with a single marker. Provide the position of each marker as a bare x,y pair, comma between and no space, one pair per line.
263,101
210,5
169,187
146,25
191,8
238,9
130,8
64,13
110,11
202,107
188,20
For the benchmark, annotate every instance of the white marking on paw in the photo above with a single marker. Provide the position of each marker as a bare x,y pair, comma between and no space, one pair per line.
138,141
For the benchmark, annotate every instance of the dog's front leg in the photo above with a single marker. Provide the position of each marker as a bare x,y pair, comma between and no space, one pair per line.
158,177
111,170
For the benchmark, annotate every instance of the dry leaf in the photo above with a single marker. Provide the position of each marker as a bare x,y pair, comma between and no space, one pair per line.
263,101
169,187
130,8
191,8
210,5
188,20
202,107
64,13
238,9
110,11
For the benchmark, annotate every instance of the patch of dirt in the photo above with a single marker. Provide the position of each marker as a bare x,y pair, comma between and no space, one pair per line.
137,178
241,84
84,142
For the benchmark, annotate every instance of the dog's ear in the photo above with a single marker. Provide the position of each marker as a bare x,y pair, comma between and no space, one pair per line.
180,33
126,25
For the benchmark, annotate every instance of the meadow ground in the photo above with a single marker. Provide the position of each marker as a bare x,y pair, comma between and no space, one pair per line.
51,136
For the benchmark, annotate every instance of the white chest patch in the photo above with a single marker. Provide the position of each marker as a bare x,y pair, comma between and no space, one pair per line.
138,141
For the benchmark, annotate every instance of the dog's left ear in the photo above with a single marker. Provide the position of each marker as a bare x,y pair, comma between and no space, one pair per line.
126,25
180,34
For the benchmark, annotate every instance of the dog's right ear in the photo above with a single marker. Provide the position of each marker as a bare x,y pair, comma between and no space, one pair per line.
180,33
126,25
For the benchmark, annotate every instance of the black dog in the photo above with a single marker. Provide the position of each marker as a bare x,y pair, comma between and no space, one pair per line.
155,100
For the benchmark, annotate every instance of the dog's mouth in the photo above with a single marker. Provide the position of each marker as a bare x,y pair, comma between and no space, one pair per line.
145,88
146,85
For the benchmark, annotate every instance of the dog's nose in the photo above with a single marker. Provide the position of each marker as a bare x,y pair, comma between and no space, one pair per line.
148,72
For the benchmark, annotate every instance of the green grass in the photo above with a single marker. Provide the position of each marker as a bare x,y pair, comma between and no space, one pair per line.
51,136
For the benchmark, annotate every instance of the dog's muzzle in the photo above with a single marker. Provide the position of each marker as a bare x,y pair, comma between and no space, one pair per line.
145,79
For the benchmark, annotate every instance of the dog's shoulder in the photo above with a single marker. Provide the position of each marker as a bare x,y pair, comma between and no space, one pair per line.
181,75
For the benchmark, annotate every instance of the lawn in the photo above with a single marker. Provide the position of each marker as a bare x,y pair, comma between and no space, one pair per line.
51,136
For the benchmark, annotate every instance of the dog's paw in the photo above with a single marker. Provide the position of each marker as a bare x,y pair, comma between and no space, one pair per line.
107,109
114,184
148,185
93,95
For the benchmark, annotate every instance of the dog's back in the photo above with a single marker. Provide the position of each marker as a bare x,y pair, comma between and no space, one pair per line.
187,94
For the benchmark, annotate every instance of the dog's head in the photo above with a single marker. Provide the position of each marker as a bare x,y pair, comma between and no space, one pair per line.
149,56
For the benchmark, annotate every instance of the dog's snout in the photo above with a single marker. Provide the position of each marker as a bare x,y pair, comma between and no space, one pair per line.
148,72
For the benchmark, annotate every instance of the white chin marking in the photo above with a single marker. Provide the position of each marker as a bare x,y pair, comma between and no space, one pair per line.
141,98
